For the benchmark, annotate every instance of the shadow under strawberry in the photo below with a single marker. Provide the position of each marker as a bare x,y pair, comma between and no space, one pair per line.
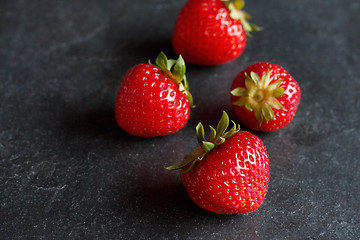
168,200
95,124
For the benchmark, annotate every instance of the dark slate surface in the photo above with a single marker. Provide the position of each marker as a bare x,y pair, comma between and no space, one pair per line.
68,172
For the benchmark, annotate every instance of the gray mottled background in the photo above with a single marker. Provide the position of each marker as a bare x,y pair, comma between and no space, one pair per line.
68,172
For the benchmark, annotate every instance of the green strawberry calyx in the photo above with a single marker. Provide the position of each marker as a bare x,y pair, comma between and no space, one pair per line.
259,95
175,70
217,137
235,7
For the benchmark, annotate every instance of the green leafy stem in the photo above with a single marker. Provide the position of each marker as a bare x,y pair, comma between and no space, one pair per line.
235,7
175,70
217,137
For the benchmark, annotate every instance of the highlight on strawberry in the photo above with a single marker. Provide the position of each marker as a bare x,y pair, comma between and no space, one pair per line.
212,32
229,172
154,100
265,97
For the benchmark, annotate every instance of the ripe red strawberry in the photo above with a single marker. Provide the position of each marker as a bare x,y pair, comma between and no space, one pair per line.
211,32
229,173
265,90
154,100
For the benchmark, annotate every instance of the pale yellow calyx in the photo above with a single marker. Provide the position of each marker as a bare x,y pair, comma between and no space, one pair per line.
235,7
259,95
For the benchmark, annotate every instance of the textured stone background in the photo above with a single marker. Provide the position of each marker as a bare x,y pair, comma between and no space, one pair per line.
68,172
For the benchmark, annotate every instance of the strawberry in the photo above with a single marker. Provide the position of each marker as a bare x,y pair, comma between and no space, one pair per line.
211,32
154,100
265,91
229,173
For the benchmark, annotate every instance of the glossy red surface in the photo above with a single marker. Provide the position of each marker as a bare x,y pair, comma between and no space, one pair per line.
205,34
150,104
232,178
290,99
